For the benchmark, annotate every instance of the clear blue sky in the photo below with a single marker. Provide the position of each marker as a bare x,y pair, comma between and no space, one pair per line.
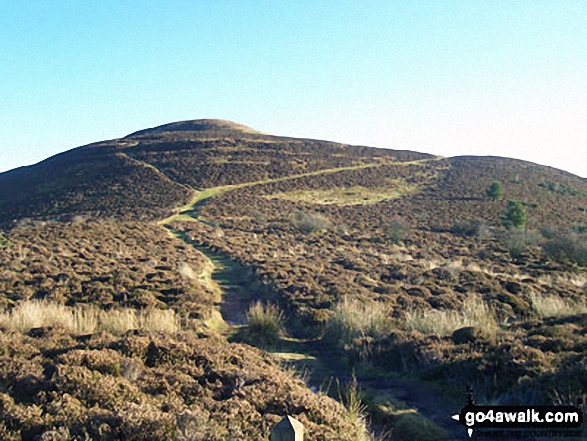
492,77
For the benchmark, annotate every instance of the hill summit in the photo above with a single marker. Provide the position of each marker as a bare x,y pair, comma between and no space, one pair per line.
197,125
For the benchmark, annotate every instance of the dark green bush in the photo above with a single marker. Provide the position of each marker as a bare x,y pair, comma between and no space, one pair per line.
495,190
514,215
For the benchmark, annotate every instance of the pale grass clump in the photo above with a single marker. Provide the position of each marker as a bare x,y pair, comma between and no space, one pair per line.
84,319
555,306
264,324
187,272
473,312
353,319
356,410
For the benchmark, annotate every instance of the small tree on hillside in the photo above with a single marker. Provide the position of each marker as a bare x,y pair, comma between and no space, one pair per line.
495,190
515,215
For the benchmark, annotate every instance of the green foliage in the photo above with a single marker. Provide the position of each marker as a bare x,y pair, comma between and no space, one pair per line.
563,189
264,325
4,242
309,223
495,190
514,215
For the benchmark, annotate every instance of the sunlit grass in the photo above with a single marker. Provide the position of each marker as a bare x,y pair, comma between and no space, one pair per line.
264,324
555,306
88,319
355,195
473,312
353,318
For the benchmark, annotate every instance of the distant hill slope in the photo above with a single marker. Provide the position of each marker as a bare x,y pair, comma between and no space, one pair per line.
147,174
97,180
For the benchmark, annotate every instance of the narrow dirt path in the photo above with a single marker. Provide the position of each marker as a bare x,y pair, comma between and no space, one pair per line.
428,402
239,289
236,282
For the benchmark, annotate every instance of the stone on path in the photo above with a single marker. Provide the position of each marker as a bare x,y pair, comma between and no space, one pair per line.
288,429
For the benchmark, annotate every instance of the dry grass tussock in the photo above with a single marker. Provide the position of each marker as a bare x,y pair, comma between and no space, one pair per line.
551,280
88,319
264,324
356,410
555,306
473,312
353,318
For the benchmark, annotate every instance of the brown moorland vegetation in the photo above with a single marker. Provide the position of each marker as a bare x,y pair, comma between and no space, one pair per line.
389,262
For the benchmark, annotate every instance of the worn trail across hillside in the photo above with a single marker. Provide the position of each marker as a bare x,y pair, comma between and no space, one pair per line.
189,211
239,289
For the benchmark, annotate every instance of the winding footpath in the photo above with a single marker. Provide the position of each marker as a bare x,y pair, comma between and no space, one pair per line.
236,283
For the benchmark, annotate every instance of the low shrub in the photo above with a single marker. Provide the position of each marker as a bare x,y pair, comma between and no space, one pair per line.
309,223
471,228
396,230
567,247
259,218
518,241
548,231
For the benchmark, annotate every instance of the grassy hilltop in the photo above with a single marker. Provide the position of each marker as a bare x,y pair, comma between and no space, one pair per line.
137,274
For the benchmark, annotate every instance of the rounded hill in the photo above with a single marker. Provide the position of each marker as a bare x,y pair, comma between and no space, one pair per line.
197,125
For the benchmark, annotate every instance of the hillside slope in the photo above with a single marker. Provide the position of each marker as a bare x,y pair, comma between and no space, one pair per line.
392,266
148,173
